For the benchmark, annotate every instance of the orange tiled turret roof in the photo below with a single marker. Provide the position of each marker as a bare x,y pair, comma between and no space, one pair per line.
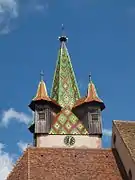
42,95
92,96
41,92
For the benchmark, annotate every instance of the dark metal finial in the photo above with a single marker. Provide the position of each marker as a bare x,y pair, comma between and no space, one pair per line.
41,75
90,77
63,38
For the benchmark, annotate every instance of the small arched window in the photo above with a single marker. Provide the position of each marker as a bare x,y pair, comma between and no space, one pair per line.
130,174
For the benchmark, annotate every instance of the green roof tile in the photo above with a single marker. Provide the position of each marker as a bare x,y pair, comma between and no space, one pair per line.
64,89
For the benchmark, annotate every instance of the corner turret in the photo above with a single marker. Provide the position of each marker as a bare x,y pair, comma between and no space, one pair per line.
44,109
89,110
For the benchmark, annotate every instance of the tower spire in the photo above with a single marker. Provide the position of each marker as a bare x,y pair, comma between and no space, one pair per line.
64,88
65,92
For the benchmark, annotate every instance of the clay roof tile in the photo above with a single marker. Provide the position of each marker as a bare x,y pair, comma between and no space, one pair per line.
59,164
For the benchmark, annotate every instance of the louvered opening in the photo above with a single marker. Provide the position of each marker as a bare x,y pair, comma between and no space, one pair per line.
41,116
94,122
95,117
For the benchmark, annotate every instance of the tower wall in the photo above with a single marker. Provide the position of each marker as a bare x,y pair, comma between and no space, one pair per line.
91,118
60,141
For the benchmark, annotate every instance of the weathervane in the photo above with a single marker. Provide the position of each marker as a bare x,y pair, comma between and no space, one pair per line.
63,38
62,28
41,75
90,77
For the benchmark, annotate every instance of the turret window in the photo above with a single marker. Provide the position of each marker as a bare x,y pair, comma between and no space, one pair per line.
41,115
94,117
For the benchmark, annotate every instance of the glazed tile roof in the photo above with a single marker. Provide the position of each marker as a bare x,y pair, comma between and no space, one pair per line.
92,96
65,92
66,122
42,95
92,93
67,164
64,88
41,92
127,133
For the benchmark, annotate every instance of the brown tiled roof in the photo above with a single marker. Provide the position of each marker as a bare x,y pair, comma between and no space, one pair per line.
80,101
20,170
41,92
127,133
42,95
66,164
92,96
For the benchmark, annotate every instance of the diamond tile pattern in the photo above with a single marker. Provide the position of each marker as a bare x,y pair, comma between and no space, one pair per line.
65,91
67,124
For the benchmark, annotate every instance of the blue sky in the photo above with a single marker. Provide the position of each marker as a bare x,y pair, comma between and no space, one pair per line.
101,41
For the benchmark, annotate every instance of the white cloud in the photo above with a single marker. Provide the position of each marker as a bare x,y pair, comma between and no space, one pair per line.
9,6
10,10
107,132
6,163
22,145
11,115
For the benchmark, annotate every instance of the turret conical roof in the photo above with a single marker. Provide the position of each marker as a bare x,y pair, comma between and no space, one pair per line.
91,97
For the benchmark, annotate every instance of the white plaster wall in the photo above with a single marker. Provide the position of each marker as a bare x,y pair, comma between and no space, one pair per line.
57,141
123,152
